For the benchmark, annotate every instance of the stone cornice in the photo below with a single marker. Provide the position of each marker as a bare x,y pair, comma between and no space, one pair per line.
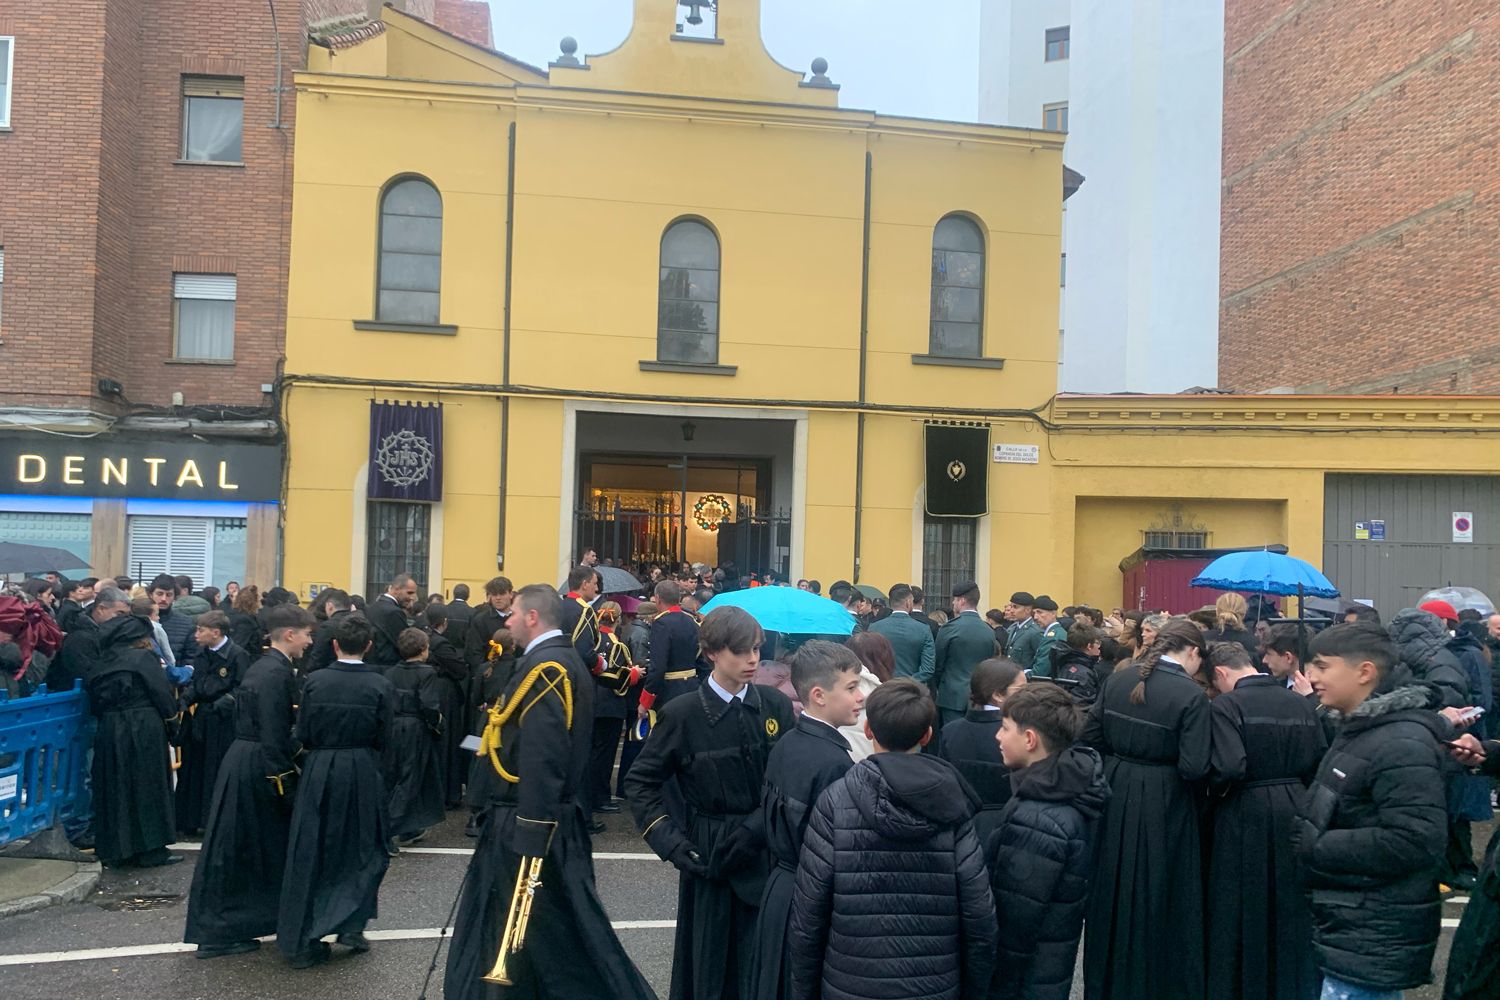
1276,413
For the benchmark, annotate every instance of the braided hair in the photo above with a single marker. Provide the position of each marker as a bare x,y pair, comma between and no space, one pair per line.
1175,635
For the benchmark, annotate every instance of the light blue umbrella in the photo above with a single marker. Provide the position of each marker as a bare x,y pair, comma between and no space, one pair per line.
788,610
1264,572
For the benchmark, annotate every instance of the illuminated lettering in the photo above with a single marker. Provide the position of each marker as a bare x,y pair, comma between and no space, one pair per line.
110,469
224,483
155,464
73,470
25,462
190,473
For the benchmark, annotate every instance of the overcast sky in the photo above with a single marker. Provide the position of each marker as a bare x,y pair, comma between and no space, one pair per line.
904,57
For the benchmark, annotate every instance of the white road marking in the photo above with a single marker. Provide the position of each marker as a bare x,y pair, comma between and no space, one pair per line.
177,947
468,851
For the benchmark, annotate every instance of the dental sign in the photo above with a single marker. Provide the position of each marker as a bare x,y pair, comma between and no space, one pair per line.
157,469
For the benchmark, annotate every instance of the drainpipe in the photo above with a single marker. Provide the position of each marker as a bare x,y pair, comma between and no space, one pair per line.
510,240
864,341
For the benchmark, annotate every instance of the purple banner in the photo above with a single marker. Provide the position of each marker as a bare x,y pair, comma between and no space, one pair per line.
406,451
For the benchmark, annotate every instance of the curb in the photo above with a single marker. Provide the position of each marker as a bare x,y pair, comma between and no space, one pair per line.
72,889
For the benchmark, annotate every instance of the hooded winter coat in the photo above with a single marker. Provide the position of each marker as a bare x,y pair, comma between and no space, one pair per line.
1370,838
1422,642
1039,859
892,898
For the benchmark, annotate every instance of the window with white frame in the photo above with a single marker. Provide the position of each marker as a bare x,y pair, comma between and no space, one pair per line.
7,64
2,291
213,119
203,317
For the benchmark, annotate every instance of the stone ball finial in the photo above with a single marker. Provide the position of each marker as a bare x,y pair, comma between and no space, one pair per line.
819,66
569,45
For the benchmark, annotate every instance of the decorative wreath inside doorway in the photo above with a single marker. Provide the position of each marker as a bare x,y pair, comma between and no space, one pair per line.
711,510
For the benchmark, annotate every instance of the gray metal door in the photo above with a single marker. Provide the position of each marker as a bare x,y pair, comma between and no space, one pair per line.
1418,552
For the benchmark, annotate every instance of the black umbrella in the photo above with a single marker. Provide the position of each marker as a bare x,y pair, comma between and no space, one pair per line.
18,557
616,581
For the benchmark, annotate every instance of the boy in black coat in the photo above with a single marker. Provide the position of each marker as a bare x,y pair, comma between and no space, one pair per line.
714,743
892,899
1371,834
804,762
1039,855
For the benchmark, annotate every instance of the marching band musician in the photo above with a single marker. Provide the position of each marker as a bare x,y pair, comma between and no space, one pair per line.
617,678
674,650
579,620
538,741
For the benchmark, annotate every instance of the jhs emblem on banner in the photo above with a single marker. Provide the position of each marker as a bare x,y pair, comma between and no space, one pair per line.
406,451
403,459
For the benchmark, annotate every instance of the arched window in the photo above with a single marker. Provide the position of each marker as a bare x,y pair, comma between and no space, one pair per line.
957,329
687,316
411,252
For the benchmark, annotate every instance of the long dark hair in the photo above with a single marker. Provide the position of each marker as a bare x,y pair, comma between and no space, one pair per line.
1174,636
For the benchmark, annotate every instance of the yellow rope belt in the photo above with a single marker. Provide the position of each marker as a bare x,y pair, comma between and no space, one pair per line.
499,715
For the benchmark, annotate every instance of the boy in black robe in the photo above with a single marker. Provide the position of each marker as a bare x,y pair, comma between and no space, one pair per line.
413,773
219,664
237,884
336,851
804,762
715,742
130,696
1267,743
537,743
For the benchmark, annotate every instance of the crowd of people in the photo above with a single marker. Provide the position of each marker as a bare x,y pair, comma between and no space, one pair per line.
947,802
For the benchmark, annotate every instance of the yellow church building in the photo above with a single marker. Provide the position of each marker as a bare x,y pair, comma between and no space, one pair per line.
674,303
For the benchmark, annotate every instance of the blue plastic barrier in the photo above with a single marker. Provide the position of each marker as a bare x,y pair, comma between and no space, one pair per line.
41,760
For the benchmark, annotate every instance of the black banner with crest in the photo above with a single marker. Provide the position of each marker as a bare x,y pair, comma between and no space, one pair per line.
957,470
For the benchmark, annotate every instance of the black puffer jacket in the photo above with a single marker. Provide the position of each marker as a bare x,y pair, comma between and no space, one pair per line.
1370,837
892,898
1423,643
1039,858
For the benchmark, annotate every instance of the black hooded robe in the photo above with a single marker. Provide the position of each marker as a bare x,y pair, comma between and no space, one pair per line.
237,883
716,751
336,850
207,729
802,764
410,760
453,695
132,773
1267,743
1143,934
969,745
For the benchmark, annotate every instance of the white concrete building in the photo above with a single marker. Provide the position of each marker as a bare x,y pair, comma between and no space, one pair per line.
1138,85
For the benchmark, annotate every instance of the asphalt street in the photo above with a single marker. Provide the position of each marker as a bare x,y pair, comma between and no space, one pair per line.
124,943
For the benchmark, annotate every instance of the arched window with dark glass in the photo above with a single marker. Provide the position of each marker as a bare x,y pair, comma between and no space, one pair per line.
411,252
957,328
687,316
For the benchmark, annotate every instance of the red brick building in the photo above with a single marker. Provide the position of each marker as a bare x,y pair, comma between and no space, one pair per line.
146,155
1361,199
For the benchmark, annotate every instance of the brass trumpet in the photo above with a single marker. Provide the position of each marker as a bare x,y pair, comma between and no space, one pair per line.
528,881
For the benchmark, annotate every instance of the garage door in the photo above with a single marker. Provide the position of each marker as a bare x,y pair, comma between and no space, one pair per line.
1417,553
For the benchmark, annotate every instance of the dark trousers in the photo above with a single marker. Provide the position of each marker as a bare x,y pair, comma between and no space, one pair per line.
1459,859
628,755
602,759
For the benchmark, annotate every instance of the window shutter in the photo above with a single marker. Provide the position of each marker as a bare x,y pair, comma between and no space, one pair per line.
176,545
219,287
213,86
